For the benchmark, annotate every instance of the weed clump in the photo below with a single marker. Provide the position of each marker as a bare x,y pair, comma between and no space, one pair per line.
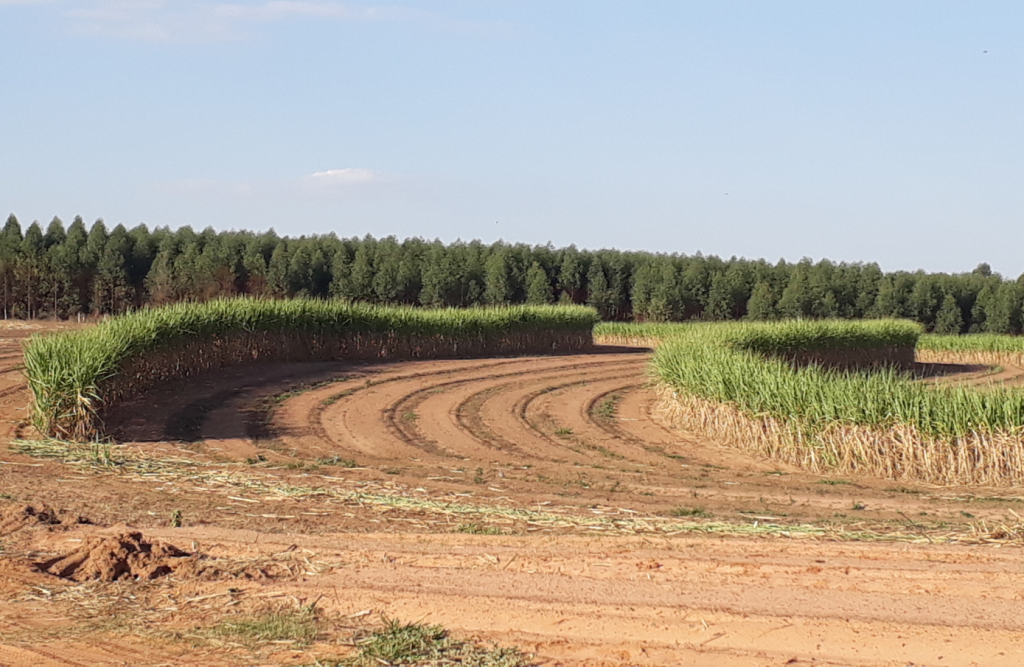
301,626
400,643
696,512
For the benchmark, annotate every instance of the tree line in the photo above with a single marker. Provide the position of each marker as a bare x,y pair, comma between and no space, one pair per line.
66,271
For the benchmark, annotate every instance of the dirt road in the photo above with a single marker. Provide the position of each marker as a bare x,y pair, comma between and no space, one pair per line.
531,502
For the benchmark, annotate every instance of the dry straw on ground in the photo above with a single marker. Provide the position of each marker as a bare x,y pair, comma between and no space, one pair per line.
898,452
418,508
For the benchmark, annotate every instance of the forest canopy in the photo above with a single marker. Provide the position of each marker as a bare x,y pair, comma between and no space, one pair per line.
66,270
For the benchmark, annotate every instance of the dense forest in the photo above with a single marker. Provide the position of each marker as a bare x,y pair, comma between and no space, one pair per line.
66,271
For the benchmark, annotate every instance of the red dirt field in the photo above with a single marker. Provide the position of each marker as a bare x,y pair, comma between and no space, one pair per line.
532,502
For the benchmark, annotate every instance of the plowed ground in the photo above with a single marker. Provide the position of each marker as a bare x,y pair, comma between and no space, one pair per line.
532,502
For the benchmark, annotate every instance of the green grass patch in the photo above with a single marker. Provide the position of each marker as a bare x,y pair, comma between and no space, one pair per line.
603,451
400,643
608,407
300,626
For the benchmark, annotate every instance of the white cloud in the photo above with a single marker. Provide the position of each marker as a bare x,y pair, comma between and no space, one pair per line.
349,176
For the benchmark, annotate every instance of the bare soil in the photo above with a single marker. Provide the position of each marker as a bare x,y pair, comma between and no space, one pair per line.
526,501
972,374
115,557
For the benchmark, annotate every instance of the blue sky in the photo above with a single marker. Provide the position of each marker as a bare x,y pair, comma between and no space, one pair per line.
857,131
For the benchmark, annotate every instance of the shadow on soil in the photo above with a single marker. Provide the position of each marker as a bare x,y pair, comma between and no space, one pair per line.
181,410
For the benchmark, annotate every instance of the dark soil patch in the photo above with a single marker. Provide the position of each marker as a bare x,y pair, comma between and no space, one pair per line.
20,516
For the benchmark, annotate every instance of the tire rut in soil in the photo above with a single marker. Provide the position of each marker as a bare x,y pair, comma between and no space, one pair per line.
468,419
314,419
229,406
471,418
407,405
537,424
567,410
320,415
519,409
312,423
610,424
9,391
488,417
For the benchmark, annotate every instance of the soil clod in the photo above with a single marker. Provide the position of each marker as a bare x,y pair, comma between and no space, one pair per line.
118,557
16,518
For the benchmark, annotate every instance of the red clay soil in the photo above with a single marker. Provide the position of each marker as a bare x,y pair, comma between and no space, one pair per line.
525,501
116,557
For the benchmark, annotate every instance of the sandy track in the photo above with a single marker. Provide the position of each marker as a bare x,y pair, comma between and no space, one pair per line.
974,375
571,434
619,601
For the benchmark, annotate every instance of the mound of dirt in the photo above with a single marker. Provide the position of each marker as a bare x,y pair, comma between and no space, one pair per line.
19,516
124,556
